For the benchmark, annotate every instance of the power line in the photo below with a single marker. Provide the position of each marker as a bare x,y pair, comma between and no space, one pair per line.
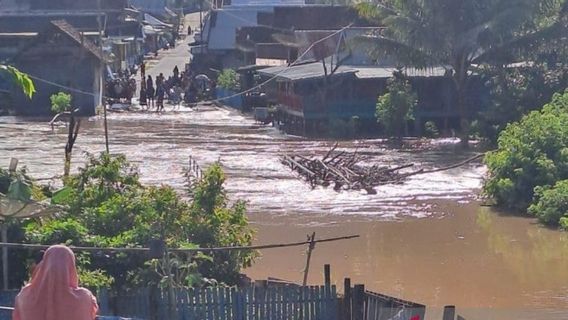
181,250
298,60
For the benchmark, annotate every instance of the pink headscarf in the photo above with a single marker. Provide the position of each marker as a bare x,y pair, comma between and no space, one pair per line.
54,292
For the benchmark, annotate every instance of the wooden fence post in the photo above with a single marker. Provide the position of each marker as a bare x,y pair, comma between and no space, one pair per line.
311,247
449,313
327,274
347,299
358,302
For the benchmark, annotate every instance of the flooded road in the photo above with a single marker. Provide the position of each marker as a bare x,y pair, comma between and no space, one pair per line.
426,240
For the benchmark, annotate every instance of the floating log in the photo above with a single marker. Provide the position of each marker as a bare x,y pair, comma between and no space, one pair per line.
342,170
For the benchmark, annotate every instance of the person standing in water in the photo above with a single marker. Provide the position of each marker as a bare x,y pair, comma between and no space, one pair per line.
53,292
150,92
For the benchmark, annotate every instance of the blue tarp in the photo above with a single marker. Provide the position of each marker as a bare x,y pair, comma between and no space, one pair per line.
234,101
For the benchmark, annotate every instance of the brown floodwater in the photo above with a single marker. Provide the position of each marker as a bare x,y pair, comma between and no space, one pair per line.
428,240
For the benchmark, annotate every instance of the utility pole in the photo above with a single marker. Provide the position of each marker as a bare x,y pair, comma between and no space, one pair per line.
102,66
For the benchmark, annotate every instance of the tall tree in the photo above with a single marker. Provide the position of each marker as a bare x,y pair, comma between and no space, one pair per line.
461,34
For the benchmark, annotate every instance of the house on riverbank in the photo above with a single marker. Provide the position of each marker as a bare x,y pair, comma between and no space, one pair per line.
60,58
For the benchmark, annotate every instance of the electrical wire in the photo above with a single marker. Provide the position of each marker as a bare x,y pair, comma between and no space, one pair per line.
297,61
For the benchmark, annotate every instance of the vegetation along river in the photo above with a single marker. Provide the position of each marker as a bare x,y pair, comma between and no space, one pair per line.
428,240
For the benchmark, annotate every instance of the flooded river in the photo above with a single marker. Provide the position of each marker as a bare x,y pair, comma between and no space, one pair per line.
427,240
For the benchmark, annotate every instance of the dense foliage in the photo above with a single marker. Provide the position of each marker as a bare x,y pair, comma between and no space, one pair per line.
60,102
462,35
228,79
531,153
551,205
396,107
109,207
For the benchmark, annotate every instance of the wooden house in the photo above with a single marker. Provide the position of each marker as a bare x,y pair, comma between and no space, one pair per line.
60,58
310,98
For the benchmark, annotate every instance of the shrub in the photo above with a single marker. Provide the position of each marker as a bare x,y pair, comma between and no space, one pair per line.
532,152
60,102
551,206
228,79
396,107
109,207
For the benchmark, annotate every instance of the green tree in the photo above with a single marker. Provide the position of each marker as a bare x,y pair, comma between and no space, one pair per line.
61,104
109,207
396,107
460,34
531,153
228,79
21,79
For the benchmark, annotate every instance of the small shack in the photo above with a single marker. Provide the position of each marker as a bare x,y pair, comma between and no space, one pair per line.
60,58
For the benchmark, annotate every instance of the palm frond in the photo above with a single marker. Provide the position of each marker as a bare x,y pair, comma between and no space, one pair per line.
406,54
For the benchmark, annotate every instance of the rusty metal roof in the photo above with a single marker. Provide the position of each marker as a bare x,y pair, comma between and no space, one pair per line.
74,34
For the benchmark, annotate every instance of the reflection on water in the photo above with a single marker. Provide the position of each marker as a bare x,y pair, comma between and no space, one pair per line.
424,240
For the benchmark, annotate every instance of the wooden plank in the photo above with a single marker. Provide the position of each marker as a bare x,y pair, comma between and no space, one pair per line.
210,307
347,299
234,305
200,303
222,306
320,296
250,303
295,295
334,315
216,306
359,302
306,302
313,298
270,303
190,309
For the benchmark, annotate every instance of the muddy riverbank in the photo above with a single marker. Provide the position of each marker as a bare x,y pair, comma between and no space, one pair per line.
426,240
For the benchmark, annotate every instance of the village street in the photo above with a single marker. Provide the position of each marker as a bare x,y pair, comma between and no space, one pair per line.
167,60
178,56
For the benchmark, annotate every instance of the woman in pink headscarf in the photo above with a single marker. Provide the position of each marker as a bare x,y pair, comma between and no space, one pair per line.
54,292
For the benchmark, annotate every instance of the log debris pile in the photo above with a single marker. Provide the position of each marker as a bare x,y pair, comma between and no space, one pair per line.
343,170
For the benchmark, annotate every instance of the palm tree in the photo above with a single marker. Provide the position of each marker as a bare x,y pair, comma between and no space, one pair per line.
461,34
21,79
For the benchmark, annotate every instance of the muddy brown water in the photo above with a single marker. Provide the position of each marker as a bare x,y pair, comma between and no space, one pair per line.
428,240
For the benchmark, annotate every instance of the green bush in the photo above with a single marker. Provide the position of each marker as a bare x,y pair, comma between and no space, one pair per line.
551,206
109,207
60,102
532,152
228,79
396,108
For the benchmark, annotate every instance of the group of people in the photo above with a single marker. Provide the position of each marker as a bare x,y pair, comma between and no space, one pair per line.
177,88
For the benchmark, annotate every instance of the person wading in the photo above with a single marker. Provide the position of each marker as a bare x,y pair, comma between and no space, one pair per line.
53,292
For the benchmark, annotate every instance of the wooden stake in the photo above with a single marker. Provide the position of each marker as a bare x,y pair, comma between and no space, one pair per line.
311,247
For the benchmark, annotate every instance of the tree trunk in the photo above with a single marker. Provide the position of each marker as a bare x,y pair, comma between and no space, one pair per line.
73,132
460,79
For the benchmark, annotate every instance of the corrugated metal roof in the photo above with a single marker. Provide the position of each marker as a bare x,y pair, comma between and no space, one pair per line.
77,37
315,70
222,33
369,72
303,72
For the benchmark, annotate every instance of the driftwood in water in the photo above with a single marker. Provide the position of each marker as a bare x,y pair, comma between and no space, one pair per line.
343,171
